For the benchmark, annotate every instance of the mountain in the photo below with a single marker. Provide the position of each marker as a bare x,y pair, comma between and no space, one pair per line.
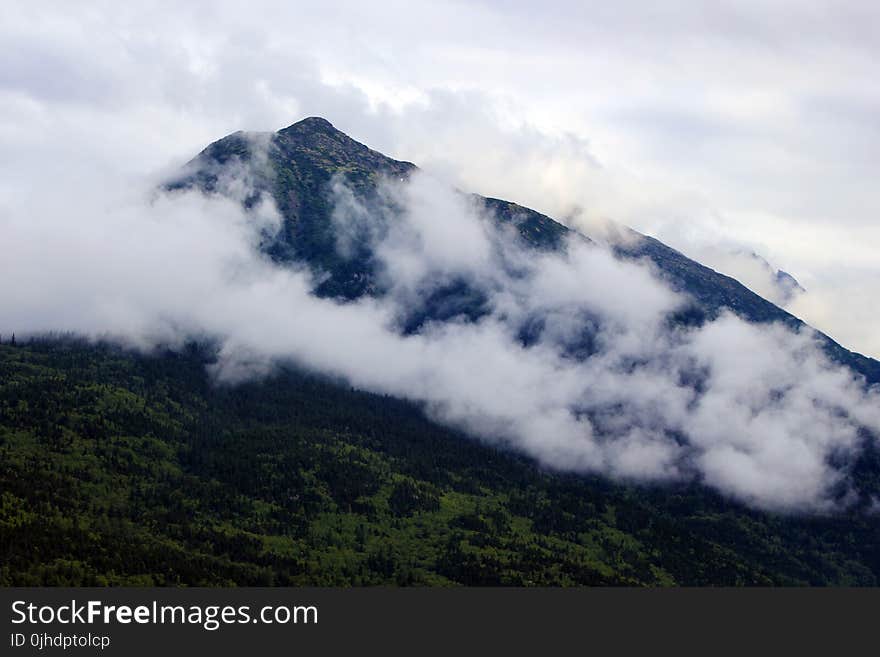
296,165
128,468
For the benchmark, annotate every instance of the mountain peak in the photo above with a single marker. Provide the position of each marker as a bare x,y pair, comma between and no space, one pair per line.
329,148
311,124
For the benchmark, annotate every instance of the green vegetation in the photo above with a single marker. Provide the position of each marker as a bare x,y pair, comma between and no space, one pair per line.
124,469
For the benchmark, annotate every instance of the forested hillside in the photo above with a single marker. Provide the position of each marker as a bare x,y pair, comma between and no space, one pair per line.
126,469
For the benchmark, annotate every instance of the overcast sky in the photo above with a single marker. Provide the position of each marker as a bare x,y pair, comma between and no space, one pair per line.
719,127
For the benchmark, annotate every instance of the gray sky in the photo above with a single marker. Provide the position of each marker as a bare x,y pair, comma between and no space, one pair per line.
719,127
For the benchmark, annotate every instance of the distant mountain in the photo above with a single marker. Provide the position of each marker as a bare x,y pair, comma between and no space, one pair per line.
788,284
296,164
